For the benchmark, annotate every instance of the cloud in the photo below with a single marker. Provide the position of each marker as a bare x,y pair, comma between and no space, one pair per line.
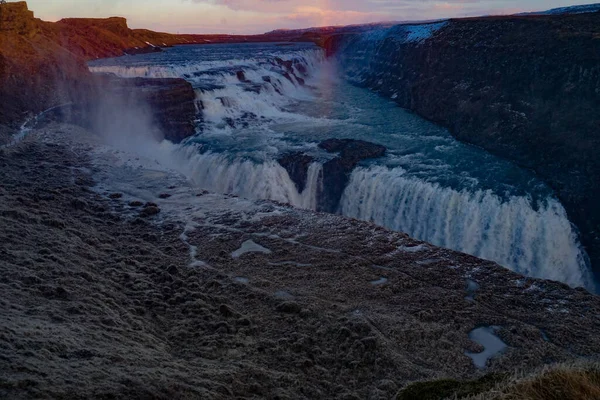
257,16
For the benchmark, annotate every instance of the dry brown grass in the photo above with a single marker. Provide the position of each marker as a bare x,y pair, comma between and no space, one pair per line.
579,381
562,382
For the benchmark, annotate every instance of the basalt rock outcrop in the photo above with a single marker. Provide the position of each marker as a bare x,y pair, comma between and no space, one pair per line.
171,103
164,106
526,88
336,172
296,164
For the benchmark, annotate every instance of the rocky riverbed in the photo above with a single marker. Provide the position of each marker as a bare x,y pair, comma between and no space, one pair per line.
119,279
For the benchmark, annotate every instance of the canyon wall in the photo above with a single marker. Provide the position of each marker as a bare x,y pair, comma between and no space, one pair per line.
43,65
526,88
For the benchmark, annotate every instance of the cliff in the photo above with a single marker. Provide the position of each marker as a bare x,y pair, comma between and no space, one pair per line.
42,65
35,71
524,88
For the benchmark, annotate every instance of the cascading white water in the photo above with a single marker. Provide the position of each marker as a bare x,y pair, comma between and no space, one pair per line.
539,243
231,89
246,178
249,120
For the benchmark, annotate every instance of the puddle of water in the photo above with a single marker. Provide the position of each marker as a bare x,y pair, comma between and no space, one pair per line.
380,281
241,279
472,287
493,345
249,246
282,294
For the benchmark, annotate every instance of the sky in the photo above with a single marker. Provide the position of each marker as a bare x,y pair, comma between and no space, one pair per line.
258,16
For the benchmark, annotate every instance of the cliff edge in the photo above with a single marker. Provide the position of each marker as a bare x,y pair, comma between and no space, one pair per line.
43,65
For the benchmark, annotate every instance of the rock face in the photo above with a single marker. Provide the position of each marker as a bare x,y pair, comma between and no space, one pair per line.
172,103
524,88
42,65
336,172
296,164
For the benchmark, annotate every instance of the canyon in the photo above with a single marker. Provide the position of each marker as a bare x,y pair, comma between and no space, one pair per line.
526,88
121,277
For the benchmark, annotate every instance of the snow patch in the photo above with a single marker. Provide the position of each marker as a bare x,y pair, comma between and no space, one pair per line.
493,345
249,246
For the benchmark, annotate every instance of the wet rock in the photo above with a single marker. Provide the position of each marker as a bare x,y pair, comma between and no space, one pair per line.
136,204
241,76
289,307
164,195
171,102
336,172
149,211
115,196
296,164
352,151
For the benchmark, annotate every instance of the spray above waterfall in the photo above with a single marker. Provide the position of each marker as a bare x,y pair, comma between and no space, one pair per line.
259,102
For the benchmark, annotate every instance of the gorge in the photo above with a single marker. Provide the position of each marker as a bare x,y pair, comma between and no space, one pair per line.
325,213
265,112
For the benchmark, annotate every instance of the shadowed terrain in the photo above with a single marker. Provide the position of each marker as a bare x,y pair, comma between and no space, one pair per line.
161,290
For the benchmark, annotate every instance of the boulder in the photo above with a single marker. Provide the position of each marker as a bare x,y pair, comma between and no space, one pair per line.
336,172
296,164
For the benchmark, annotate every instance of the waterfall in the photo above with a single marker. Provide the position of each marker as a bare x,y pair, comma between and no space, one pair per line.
535,241
249,120
232,90
246,178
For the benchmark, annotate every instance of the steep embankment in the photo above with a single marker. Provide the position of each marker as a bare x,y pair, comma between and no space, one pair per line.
35,71
524,88
42,65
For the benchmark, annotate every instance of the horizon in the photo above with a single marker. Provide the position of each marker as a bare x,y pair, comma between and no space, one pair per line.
247,17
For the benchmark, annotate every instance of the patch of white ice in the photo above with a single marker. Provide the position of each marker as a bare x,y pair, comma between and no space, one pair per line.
493,345
249,246
380,281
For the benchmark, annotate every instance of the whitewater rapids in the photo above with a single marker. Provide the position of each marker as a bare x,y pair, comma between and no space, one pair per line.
257,102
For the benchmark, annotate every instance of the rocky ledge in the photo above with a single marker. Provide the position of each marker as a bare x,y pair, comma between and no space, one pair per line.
336,172
171,103
526,88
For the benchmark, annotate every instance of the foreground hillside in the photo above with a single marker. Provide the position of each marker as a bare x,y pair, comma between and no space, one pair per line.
119,280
